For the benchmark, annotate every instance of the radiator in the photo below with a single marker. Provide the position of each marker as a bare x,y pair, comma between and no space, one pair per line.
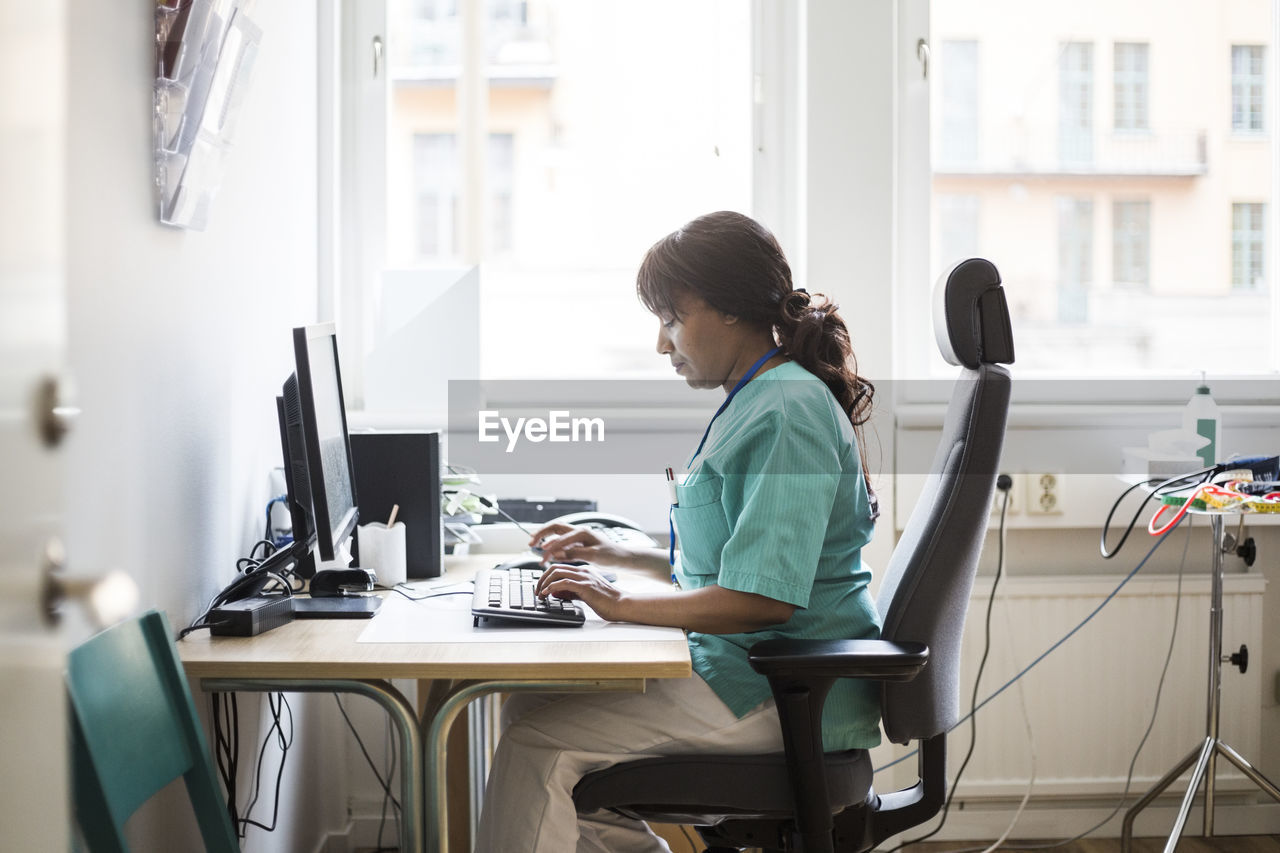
1089,701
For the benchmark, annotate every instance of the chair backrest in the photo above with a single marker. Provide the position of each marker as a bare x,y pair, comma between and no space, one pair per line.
925,592
134,730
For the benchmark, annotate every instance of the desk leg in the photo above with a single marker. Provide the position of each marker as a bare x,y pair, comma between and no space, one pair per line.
402,716
444,707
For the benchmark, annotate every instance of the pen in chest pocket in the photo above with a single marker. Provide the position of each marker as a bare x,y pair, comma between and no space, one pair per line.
671,526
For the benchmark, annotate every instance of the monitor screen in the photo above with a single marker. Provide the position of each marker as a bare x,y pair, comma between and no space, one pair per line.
324,426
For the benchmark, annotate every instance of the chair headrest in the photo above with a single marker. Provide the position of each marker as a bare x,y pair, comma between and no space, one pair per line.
970,315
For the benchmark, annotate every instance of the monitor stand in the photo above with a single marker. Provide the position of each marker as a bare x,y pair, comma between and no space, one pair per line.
336,607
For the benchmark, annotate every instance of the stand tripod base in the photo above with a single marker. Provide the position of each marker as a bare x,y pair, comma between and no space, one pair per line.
1203,758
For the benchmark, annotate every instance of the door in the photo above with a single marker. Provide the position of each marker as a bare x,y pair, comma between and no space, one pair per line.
33,48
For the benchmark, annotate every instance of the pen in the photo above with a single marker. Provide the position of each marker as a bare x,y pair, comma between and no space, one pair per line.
671,527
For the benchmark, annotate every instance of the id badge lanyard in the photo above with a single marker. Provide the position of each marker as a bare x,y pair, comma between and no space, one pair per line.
671,483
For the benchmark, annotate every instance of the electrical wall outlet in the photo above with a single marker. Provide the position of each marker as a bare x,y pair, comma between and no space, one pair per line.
1015,499
1044,493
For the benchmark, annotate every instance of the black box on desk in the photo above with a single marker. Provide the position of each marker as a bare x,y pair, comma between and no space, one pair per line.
539,510
402,468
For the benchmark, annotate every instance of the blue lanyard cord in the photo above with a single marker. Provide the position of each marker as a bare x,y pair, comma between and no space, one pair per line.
671,552
747,377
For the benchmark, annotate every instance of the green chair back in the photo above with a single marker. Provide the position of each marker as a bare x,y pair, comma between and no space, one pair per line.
134,730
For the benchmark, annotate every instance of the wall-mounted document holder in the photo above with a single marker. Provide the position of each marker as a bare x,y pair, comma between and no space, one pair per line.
205,51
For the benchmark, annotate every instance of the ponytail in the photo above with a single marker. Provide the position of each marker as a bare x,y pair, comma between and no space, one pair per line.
812,334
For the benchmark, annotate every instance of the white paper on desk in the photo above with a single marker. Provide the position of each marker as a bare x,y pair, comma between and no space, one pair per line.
447,619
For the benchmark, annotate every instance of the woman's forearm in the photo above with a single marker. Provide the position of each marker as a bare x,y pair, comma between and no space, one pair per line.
709,610
655,561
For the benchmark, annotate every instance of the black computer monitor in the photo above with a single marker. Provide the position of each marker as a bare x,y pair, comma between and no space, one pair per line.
330,475
297,478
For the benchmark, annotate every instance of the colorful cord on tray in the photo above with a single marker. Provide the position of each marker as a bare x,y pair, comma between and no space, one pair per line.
1227,497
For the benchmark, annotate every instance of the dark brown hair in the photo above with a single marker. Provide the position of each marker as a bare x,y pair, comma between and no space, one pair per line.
736,266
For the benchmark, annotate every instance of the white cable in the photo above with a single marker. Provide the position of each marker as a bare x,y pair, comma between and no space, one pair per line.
1026,722
1022,699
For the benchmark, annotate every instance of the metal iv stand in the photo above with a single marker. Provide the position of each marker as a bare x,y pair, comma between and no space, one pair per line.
1204,757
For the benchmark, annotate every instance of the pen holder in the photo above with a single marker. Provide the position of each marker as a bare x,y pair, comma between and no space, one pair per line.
382,549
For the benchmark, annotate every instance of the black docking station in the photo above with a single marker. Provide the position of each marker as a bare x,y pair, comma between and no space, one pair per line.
251,616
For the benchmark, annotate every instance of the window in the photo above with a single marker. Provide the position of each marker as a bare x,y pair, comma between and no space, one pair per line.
1247,87
436,203
1247,229
608,125
1075,103
1075,259
501,180
957,227
1130,86
1115,248
960,103
1131,243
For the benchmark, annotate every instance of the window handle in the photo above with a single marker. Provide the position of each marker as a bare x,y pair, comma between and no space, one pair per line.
922,53
377,55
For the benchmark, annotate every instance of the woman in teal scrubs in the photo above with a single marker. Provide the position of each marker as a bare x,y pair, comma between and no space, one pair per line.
770,521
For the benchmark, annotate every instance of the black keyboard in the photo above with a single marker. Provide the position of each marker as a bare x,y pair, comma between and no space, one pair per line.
506,593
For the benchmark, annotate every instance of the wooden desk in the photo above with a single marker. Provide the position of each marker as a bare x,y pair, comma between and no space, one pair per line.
322,655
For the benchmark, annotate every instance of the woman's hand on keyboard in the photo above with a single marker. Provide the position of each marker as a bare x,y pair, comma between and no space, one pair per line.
565,542
585,584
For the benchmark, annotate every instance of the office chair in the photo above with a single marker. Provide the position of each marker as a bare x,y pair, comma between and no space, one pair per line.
805,799
133,730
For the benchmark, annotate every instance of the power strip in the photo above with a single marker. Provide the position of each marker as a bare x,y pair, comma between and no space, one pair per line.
251,616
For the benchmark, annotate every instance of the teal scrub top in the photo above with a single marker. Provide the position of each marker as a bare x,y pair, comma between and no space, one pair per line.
776,504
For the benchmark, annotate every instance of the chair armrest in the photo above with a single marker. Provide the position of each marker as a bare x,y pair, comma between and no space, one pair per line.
878,660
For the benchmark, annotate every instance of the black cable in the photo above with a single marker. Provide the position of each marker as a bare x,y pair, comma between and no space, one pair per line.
1004,483
494,505
386,784
202,626
267,545
389,745
250,573
284,742
226,728
1160,487
1128,781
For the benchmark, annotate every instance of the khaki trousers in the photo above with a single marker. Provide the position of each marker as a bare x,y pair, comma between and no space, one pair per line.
550,741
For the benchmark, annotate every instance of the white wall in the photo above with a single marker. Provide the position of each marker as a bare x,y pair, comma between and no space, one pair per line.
179,342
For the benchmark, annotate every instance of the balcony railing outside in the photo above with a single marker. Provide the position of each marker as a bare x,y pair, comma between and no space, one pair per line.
1021,149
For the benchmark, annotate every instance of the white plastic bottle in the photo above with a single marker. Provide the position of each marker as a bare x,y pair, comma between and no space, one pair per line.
1201,416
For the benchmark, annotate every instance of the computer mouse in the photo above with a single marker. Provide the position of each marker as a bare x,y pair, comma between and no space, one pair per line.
334,582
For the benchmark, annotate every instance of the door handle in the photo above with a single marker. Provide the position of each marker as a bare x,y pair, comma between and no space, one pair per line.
53,414
106,599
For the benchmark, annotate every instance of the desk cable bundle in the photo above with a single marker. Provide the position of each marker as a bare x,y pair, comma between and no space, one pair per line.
273,572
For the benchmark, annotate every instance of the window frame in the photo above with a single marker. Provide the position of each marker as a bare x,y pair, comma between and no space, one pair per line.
1135,106
1245,80
1127,235
1247,241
